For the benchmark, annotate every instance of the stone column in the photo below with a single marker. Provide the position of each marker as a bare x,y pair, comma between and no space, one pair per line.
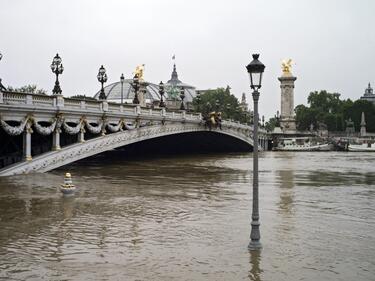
103,127
287,120
27,141
56,139
81,134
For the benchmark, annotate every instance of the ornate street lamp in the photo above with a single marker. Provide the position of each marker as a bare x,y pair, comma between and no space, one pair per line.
161,92
255,70
262,120
135,85
122,79
102,78
57,68
182,96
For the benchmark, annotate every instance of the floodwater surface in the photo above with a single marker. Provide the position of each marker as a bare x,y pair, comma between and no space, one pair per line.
188,218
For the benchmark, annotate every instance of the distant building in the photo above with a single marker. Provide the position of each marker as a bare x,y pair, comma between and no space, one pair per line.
116,92
369,94
243,105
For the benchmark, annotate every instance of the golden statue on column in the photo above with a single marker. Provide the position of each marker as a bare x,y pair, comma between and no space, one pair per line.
140,70
286,66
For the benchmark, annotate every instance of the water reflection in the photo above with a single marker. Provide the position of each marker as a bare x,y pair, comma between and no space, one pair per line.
286,184
255,271
68,203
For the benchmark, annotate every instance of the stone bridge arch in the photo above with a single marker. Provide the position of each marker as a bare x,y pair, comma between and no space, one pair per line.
72,153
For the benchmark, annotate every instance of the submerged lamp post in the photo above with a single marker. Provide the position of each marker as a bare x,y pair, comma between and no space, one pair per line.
122,79
161,92
135,85
255,70
182,96
57,68
102,78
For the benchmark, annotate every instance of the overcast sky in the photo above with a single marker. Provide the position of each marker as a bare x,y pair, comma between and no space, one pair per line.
332,43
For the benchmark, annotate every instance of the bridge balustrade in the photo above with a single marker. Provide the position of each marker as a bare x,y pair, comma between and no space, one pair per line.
72,103
92,105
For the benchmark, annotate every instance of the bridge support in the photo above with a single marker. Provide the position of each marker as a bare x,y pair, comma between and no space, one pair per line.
56,140
27,142
81,135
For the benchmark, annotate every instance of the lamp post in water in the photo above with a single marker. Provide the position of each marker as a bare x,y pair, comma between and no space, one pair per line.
255,70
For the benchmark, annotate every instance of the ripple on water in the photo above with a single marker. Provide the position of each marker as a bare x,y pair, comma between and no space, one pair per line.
189,219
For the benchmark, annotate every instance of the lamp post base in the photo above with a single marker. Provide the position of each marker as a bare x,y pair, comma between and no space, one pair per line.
254,245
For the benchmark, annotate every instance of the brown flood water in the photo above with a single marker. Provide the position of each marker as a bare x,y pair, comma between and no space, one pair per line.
188,218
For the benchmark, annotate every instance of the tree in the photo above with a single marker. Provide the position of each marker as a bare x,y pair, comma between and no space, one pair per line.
30,89
83,97
272,123
354,112
222,100
329,109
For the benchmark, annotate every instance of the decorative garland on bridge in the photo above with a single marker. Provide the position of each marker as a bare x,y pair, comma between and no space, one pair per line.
16,130
45,131
129,126
115,128
72,130
94,129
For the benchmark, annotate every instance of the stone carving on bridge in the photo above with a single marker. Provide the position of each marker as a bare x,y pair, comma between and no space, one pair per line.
115,128
14,130
45,131
95,129
72,130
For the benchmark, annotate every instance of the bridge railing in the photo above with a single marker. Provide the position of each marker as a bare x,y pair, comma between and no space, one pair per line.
72,103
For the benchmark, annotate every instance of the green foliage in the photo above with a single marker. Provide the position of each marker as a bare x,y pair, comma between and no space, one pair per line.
31,89
355,112
83,97
272,123
222,100
329,109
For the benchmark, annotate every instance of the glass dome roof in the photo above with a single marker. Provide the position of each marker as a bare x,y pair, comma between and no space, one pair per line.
113,91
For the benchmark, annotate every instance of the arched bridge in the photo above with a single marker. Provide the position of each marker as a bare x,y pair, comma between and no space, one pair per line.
47,132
